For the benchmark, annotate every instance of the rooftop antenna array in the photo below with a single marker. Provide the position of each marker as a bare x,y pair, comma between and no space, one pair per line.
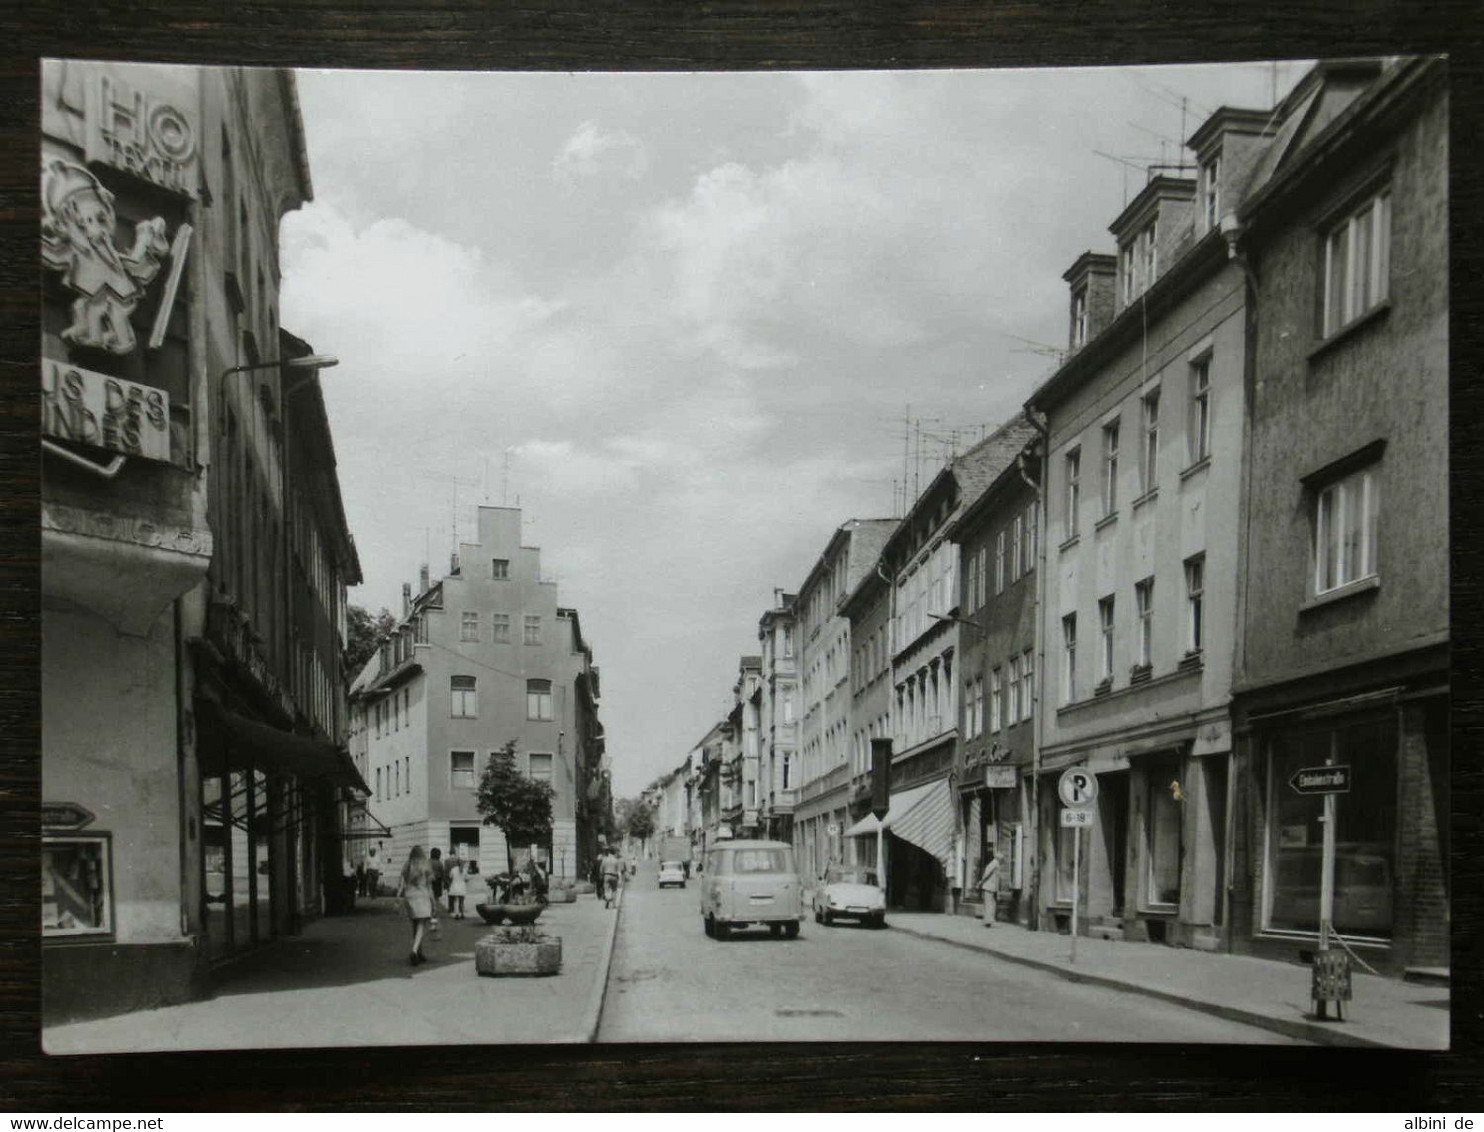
454,483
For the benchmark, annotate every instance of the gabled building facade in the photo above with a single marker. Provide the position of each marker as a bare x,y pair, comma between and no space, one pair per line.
1145,431
1343,640
481,657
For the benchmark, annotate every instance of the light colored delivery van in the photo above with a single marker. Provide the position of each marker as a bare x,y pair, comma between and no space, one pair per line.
751,882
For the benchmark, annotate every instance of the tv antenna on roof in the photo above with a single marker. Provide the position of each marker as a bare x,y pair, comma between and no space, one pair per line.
454,483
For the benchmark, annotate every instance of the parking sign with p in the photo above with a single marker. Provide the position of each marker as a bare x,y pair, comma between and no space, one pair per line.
1077,787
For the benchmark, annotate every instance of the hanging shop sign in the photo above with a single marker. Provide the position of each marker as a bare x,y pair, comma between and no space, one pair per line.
109,412
78,222
143,129
999,778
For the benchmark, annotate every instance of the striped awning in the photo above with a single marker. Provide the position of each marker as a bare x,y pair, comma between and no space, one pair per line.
922,815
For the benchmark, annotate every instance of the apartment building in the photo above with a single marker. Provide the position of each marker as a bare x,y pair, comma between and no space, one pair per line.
484,656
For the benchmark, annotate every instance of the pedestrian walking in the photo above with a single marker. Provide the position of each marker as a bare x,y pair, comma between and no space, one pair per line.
457,887
416,891
360,878
609,868
374,860
989,889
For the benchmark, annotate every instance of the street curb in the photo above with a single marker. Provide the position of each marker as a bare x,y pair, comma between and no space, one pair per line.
1292,1028
593,1016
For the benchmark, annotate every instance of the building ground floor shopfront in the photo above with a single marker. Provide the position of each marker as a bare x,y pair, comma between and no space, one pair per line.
178,834
993,801
818,831
1155,863
1388,724
914,846
471,841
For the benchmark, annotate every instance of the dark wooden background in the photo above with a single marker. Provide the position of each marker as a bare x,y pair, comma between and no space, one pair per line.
695,35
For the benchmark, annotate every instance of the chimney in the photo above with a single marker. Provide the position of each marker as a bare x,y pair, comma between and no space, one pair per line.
422,578
406,598
1092,282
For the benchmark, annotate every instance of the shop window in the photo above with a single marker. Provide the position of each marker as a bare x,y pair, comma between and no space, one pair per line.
1365,829
77,886
1162,852
1064,844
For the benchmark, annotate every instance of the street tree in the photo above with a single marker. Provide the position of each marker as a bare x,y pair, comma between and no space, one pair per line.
364,631
520,806
639,823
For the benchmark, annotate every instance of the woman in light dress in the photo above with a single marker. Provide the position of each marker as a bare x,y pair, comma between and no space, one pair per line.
457,887
416,888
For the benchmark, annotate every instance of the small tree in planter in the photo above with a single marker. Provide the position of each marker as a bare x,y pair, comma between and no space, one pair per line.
520,806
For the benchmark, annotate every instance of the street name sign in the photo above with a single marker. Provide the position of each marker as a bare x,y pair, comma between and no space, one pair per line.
1321,780
65,815
1076,819
1077,786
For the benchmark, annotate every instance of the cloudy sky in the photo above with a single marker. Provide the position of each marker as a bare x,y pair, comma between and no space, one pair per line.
691,312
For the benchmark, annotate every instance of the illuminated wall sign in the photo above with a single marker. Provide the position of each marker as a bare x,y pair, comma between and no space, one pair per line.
110,412
143,133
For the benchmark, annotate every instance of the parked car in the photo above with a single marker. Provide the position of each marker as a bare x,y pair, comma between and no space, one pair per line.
672,872
751,882
850,892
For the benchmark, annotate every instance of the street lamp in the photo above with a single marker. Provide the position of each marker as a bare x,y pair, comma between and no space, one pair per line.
956,620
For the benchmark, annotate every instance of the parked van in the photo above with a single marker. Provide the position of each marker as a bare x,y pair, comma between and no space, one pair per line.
751,882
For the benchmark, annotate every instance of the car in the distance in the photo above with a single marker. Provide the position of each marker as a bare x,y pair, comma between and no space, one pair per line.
850,892
672,872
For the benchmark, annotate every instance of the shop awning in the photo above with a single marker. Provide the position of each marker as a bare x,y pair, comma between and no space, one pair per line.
922,815
240,742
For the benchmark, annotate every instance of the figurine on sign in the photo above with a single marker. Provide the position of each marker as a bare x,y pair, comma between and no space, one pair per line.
77,239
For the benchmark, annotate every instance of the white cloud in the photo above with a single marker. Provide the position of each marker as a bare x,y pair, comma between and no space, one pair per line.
591,153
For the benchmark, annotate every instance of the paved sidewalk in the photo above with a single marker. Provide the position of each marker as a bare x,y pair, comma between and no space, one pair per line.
1260,992
347,982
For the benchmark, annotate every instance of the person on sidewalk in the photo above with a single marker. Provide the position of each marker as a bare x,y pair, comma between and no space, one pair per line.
609,868
457,887
989,889
416,888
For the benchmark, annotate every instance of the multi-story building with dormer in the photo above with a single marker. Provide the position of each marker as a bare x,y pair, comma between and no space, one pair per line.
480,658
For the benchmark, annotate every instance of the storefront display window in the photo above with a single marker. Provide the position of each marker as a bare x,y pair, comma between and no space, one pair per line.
1163,881
1365,829
1063,840
77,886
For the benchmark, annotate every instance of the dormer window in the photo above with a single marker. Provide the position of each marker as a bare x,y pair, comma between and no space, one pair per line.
1211,192
1151,255
1079,319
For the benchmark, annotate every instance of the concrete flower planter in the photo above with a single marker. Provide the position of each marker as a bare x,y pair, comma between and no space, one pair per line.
518,951
564,894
